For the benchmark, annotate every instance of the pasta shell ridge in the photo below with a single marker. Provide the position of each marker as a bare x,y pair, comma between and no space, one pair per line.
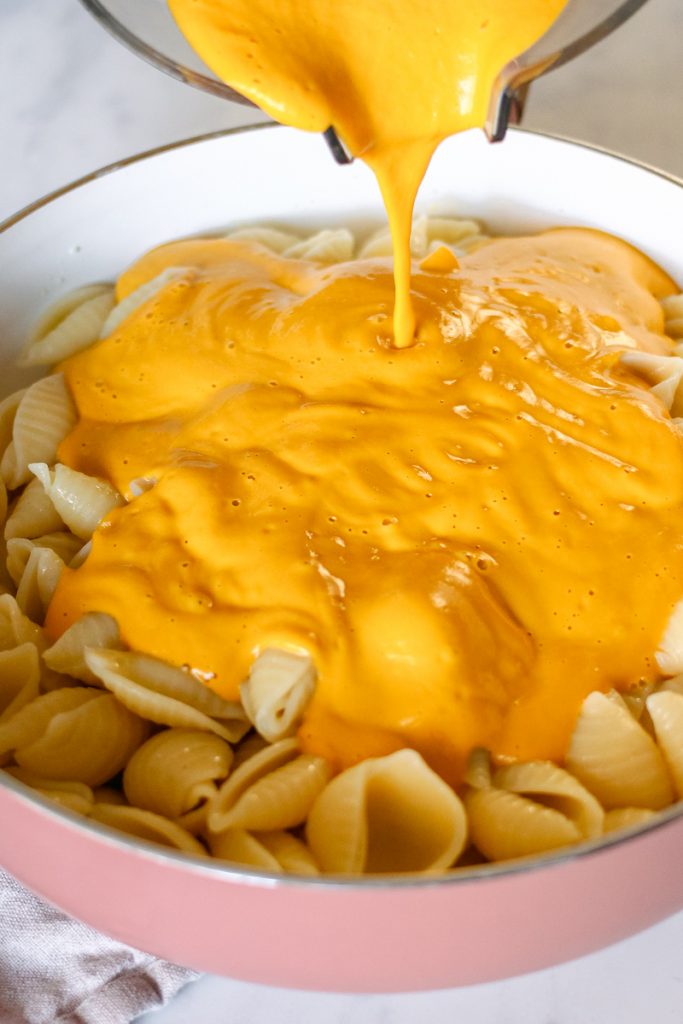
146,693
504,825
19,679
666,711
32,720
261,764
277,693
387,814
90,743
615,758
146,825
176,770
67,654
279,800
546,782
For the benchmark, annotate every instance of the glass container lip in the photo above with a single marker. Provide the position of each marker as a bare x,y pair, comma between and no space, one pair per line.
242,874
158,59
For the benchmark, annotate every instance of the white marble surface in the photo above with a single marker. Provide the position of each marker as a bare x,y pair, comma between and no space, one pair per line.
71,100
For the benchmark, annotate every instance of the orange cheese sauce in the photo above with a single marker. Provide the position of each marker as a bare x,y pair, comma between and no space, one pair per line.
468,535
393,77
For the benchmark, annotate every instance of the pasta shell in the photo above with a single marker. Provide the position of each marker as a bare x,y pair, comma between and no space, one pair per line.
663,373
80,556
615,758
33,514
8,411
69,325
292,855
195,820
15,627
149,826
3,502
258,766
626,817
329,246
673,685
281,799
175,771
141,484
109,795
387,814
478,773
140,296
39,582
240,847
95,629
277,693
271,238
90,743
165,694
253,744
82,501
428,234
555,788
6,582
45,415
269,851
74,795
31,722
504,825
673,315
666,712
19,679
670,652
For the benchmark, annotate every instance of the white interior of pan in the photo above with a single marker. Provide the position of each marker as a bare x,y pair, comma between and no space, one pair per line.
279,176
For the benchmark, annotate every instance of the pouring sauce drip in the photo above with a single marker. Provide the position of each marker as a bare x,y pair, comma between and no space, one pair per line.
393,77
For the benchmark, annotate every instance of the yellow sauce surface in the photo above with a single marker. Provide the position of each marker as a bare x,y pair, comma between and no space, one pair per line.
468,535
393,77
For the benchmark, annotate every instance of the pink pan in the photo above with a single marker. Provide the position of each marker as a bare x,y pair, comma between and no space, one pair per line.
334,934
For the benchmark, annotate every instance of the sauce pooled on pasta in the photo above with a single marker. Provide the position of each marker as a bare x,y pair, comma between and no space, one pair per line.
468,535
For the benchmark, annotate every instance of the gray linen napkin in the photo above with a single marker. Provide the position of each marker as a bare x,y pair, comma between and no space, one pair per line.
54,970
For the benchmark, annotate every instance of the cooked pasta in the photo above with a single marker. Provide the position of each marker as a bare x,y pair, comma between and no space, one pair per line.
673,316
146,825
33,514
529,808
281,799
145,746
74,795
44,416
39,581
176,771
666,711
70,325
615,758
164,694
277,692
384,815
140,296
88,743
67,654
19,679
81,501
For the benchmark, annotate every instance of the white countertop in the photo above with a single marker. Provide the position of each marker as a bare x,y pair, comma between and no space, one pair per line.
71,100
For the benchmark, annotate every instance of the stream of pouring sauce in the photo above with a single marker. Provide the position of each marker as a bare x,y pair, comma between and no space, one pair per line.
470,522
393,77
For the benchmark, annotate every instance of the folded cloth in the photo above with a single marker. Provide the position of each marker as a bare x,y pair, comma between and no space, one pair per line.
54,970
